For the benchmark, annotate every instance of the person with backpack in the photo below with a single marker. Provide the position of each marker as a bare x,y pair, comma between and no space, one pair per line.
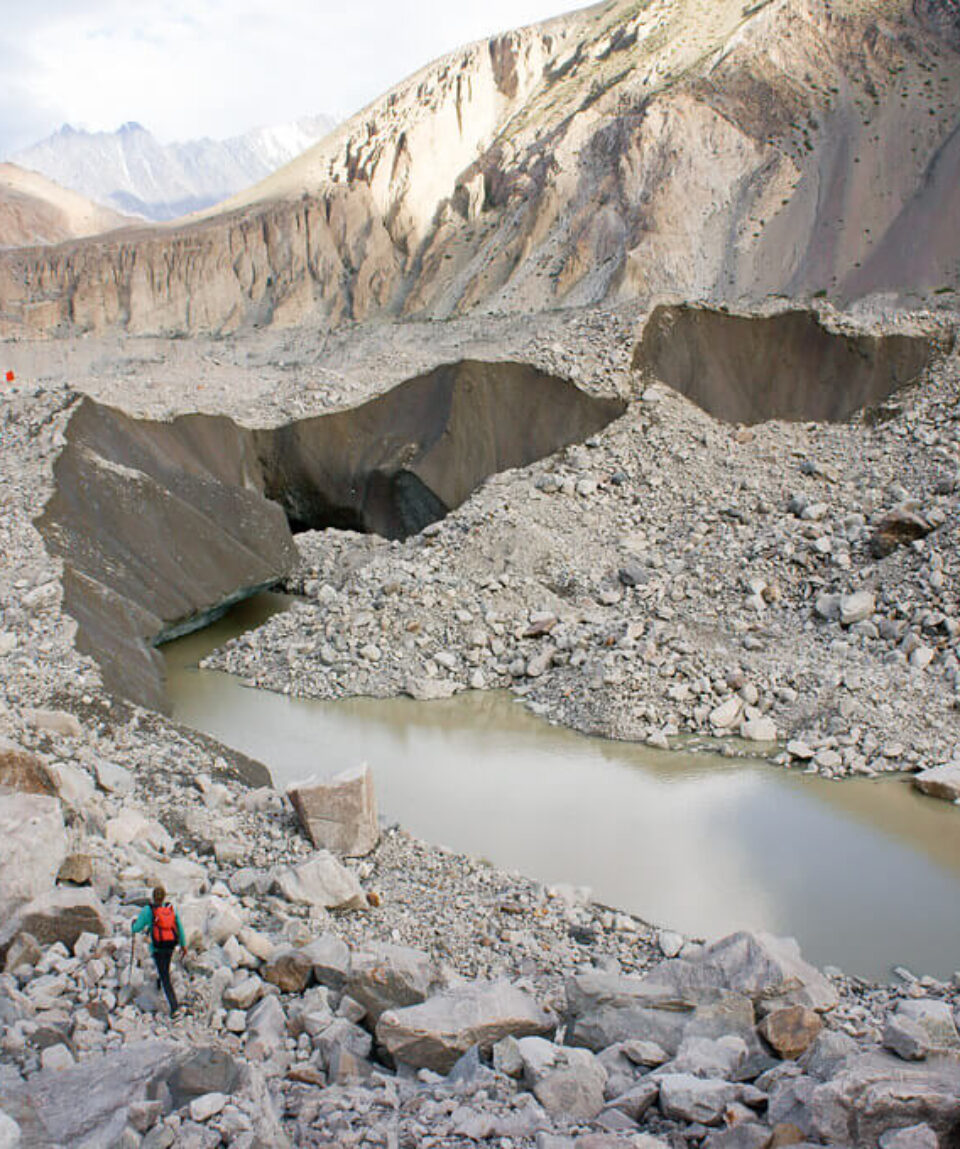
166,933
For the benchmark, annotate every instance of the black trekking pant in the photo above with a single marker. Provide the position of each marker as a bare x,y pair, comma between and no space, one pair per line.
161,959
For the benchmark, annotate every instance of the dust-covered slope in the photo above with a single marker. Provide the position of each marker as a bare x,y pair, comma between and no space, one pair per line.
35,210
633,149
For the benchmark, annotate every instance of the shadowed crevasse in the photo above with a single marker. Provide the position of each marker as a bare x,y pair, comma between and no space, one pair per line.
161,526
746,369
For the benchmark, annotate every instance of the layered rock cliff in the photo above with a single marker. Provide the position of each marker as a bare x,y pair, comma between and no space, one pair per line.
629,150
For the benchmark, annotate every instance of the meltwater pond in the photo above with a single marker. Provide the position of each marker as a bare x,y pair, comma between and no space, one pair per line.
865,873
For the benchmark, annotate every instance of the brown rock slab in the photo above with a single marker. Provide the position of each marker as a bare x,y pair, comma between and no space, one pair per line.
791,1031
61,915
76,870
339,814
290,970
25,771
896,529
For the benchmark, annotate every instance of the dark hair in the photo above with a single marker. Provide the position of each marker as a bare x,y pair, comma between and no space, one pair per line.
159,895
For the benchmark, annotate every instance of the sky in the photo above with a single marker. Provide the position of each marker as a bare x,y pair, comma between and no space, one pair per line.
220,67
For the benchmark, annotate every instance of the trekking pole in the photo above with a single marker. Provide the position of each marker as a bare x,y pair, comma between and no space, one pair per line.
133,946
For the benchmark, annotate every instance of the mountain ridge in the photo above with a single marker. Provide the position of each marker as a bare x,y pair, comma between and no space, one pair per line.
131,171
631,150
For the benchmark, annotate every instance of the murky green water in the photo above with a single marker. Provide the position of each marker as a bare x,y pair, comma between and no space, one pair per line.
866,874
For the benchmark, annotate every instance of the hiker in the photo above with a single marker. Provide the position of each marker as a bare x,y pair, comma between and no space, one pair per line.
166,933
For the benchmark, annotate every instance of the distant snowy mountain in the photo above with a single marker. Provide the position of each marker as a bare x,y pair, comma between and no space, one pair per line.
129,170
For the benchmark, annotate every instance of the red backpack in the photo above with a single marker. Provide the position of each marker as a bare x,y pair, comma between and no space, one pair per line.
164,926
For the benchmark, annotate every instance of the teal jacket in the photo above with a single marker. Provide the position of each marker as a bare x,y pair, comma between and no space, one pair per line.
145,922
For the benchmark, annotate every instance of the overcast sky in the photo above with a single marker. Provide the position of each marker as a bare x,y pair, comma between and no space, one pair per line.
218,67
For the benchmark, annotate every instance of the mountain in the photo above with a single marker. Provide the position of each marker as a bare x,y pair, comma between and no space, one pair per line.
628,151
132,172
35,210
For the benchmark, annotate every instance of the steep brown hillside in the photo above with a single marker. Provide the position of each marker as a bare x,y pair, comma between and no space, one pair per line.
35,210
637,148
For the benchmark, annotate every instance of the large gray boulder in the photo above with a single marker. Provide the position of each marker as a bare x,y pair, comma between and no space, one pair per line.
339,814
331,960
385,976
872,1094
322,881
436,1033
940,781
732,977
684,1097
86,1105
921,1027
767,969
33,844
567,1082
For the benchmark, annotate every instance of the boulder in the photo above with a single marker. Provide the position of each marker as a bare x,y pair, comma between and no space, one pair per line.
791,1031
209,920
764,968
684,1097
905,1038
132,826
604,1009
567,1082
33,845
112,778
924,1026
85,1105
635,1101
54,721
875,1093
434,1034
339,814
266,1027
719,1057
76,870
180,877
288,969
25,771
322,881
857,607
940,781
11,1136
204,1070
331,960
74,786
244,993
385,976
60,915
23,950
727,714
895,529
912,1137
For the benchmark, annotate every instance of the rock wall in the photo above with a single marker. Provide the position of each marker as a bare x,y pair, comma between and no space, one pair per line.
162,525
748,369
723,154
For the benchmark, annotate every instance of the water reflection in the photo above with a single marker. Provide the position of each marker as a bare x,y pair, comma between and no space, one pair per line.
866,874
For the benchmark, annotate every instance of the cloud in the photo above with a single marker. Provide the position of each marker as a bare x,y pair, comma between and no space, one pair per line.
219,67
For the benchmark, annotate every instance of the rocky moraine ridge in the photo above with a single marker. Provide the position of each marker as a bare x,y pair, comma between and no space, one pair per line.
672,574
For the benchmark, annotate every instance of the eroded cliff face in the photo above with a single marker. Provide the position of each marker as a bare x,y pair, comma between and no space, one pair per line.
627,151
162,525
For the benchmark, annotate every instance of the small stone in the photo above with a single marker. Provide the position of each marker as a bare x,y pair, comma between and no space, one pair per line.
727,714
206,1106
791,1031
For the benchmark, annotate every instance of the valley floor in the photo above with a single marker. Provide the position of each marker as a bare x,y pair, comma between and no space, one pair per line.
672,576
